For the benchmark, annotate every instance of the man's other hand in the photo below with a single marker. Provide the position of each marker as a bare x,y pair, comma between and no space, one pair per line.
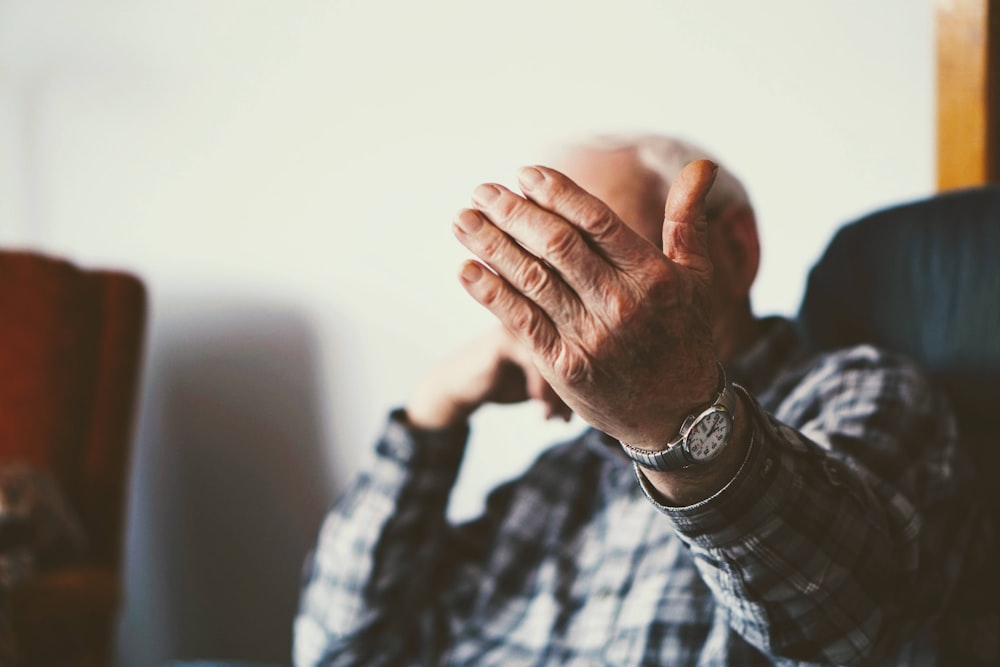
494,368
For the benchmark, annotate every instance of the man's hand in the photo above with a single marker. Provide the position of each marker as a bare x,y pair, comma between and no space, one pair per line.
494,368
620,330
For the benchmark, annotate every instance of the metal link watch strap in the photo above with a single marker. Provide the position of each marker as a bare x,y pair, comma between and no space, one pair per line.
674,456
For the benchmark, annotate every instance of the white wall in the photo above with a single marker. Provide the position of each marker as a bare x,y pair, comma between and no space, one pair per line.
283,175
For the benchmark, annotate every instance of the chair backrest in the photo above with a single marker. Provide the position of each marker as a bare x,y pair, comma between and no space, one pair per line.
70,349
923,278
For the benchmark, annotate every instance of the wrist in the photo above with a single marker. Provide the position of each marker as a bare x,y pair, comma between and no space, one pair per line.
701,436
687,486
664,425
435,414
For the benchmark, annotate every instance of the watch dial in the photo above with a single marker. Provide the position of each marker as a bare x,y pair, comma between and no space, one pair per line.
708,436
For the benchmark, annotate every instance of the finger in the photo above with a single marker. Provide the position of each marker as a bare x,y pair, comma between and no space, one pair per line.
547,236
523,271
538,387
685,227
526,321
611,237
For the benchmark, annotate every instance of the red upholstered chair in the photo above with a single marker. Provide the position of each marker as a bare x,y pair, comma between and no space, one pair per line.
70,350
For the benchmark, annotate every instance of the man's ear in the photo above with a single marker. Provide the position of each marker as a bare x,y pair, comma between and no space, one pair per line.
735,249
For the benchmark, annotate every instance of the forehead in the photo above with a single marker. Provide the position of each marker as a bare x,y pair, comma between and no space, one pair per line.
614,170
619,179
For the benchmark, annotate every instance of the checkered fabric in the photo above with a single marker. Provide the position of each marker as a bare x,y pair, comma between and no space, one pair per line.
839,541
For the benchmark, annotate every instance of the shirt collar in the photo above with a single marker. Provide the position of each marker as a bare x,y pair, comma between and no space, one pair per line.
776,347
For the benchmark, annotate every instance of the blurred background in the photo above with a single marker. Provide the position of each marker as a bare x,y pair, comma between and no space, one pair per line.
283,175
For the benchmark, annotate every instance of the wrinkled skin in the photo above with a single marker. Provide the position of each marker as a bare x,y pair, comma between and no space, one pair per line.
619,330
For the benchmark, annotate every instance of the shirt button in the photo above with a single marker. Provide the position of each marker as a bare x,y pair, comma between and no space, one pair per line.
766,468
832,473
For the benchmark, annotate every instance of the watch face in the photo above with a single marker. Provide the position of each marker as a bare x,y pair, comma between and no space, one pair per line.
708,436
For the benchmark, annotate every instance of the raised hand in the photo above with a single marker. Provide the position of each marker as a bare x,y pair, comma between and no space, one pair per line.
620,330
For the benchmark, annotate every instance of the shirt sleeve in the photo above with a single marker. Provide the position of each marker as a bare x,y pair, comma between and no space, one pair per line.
374,591
842,535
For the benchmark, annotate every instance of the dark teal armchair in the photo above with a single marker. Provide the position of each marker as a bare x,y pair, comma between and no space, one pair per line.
923,278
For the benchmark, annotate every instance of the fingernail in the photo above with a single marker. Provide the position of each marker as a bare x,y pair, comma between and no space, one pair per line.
529,177
485,194
471,272
468,221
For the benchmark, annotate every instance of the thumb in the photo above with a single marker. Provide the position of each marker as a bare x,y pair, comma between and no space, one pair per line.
685,227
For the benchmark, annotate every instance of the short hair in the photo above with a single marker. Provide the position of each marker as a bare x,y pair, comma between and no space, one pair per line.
665,156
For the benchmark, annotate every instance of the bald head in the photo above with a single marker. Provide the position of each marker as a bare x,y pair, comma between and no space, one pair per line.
632,175
619,178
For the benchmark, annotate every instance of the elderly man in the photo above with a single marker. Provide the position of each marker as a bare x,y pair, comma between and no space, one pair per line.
736,501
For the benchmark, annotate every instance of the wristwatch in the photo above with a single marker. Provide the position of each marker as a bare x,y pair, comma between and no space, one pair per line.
702,437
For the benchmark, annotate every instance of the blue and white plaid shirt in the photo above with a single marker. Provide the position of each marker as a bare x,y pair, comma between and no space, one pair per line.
839,541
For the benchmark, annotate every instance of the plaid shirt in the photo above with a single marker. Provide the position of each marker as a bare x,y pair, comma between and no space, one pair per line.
836,542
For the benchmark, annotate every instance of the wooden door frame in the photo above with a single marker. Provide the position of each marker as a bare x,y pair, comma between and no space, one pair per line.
968,92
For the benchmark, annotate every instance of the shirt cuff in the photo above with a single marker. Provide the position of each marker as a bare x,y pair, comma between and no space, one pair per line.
748,502
425,448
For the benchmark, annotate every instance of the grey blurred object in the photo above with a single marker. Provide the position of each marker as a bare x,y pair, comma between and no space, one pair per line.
38,528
